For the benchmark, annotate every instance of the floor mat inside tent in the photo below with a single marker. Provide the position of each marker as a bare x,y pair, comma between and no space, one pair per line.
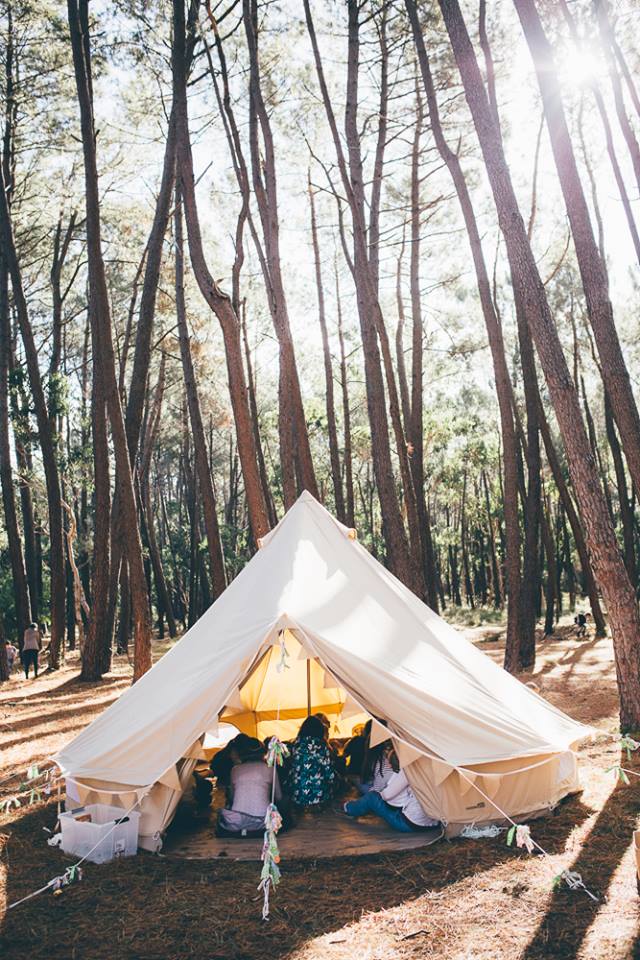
329,834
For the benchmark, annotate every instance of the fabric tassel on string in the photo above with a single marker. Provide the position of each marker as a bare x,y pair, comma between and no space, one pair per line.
277,751
270,875
284,655
522,836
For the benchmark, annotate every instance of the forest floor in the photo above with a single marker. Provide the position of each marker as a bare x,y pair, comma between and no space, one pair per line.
459,900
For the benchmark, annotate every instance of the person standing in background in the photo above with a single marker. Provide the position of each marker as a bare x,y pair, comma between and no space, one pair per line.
30,649
12,653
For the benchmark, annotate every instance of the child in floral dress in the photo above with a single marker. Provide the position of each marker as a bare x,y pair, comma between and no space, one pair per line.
312,775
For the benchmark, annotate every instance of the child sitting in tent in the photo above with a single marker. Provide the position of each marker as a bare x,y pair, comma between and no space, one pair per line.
376,768
396,804
252,784
339,762
312,774
355,751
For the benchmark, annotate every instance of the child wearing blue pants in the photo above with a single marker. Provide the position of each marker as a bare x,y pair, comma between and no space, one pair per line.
397,805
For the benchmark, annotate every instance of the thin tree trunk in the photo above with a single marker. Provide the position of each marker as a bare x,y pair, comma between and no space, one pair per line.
347,457
255,419
47,444
11,266
496,578
20,586
123,632
334,452
575,524
531,492
162,591
532,507
513,659
103,352
294,437
550,593
24,603
403,382
96,654
403,562
144,327
218,302
77,601
625,502
464,545
416,423
214,545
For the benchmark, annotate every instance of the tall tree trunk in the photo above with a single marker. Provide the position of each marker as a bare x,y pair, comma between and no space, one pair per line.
513,658
294,437
625,502
575,524
20,587
255,419
96,654
23,602
550,591
531,491
403,562
496,579
24,462
532,506
334,452
162,592
218,302
403,381
151,263
214,545
464,547
103,352
46,438
144,327
347,457
415,433
600,537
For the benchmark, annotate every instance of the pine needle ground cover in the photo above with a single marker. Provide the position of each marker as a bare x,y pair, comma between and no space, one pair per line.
463,900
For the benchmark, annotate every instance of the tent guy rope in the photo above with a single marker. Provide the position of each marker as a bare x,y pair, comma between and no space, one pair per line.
73,873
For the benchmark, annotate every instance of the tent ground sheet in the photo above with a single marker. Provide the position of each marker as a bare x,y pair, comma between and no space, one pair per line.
326,834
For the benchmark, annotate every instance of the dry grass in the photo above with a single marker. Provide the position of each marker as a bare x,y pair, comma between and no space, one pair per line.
464,900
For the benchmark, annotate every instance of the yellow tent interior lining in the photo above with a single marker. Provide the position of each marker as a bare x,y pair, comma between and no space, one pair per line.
271,701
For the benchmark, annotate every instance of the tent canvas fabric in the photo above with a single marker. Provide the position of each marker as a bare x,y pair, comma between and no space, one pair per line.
475,742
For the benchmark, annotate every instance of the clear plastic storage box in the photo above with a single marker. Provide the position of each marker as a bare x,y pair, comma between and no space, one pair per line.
111,832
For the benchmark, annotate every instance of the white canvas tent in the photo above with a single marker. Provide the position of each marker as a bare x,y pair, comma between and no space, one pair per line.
474,741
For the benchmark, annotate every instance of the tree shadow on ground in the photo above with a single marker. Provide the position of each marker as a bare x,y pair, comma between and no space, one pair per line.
67,688
570,914
31,727
571,656
152,908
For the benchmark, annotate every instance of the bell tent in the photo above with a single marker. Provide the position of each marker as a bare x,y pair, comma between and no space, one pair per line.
314,623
